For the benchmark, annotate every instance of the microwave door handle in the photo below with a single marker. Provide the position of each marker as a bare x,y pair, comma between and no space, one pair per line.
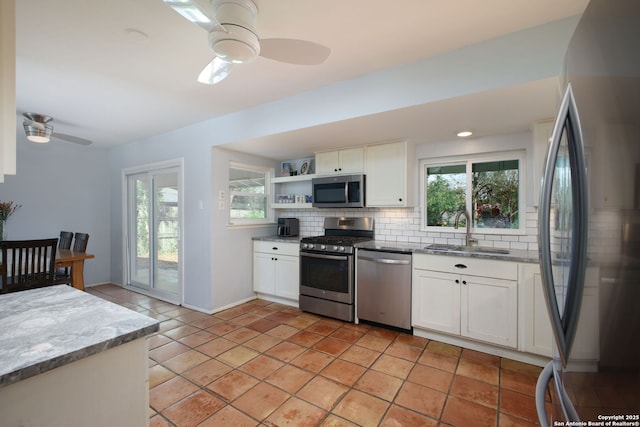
346,192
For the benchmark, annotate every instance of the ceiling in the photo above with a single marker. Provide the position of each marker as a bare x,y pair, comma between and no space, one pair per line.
118,71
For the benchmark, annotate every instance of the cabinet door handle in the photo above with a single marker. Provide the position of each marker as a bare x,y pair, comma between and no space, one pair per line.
275,248
464,282
457,281
460,266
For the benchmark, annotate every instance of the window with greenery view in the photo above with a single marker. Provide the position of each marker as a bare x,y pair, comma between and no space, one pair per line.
488,189
248,194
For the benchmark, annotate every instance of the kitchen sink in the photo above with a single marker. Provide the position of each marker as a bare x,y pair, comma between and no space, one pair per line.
467,249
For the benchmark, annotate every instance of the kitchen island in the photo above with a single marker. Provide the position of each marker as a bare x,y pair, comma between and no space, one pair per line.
68,358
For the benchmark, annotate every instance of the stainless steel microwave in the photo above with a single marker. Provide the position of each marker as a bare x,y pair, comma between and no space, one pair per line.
340,191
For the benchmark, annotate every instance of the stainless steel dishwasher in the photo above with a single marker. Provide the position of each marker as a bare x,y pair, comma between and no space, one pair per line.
383,287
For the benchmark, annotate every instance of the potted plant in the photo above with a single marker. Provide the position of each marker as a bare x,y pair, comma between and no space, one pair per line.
6,210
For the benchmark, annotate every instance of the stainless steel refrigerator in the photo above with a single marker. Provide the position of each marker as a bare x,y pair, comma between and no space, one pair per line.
589,221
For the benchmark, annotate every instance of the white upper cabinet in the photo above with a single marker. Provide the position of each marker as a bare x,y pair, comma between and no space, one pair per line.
346,161
389,170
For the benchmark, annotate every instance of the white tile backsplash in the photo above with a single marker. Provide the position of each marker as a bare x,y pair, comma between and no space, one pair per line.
403,225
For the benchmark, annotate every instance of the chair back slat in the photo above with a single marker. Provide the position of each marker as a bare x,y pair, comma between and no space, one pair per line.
27,264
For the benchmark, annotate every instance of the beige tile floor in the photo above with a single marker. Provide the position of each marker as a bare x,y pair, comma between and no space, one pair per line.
267,364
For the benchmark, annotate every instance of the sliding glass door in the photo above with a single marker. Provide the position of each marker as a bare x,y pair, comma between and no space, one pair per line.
153,224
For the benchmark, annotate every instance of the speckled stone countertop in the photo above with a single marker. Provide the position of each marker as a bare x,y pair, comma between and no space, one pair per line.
514,255
45,328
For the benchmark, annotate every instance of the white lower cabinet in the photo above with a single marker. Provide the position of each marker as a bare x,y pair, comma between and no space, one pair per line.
538,336
470,297
436,300
276,269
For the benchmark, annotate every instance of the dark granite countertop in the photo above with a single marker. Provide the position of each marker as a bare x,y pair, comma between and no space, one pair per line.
281,239
42,329
514,255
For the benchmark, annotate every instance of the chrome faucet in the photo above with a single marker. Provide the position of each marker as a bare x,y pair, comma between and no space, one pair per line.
468,240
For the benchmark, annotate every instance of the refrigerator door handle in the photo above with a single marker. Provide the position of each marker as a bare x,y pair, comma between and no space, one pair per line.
541,393
564,326
548,373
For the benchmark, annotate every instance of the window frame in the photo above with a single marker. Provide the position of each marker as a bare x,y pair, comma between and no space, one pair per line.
468,161
268,174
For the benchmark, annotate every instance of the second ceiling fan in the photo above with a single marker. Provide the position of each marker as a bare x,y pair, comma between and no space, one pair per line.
234,39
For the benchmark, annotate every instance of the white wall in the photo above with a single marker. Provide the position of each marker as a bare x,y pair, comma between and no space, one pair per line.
194,148
62,186
232,281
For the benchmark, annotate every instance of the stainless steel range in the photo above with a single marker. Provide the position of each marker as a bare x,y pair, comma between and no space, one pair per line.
327,267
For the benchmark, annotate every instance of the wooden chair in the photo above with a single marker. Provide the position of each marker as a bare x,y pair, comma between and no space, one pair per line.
80,243
63,276
27,264
65,240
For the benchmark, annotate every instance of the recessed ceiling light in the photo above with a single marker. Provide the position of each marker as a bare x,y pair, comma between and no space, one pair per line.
465,134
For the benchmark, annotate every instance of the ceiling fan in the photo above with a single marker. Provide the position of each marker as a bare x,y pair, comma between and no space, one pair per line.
234,40
37,127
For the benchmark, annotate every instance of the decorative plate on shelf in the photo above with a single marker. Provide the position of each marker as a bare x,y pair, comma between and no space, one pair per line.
305,167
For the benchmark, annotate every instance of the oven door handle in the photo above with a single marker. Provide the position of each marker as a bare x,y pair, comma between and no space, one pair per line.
324,256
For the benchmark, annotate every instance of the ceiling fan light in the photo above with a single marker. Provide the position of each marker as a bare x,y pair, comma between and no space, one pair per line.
38,135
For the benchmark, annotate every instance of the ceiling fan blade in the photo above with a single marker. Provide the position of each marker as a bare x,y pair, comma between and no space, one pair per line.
192,11
215,71
292,51
71,138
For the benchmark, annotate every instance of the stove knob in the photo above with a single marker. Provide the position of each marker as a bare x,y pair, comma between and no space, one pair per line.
334,248
341,249
323,247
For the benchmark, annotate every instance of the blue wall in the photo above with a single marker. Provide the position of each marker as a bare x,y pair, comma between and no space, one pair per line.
62,186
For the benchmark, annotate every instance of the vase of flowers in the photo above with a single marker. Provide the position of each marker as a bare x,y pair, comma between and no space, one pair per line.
6,210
